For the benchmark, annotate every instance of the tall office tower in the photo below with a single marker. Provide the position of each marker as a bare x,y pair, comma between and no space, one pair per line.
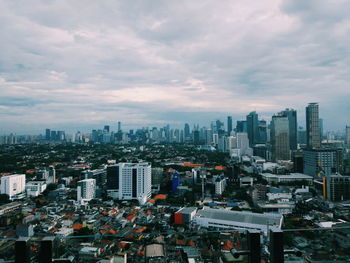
262,131
187,131
280,138
222,143
53,136
106,128
293,126
86,190
243,144
208,136
13,185
321,129
61,135
119,126
219,125
313,126
47,134
301,136
347,136
252,127
321,162
175,182
231,142
196,140
229,125
336,188
241,126
130,181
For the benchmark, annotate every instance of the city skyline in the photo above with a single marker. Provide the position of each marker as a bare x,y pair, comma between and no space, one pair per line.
76,66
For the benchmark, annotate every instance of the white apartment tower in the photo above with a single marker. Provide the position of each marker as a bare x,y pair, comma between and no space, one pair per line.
130,181
86,190
219,185
13,184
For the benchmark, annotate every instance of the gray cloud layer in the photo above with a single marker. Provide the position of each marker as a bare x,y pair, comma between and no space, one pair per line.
71,64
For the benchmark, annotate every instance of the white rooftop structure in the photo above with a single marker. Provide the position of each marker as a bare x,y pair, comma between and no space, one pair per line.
222,218
277,178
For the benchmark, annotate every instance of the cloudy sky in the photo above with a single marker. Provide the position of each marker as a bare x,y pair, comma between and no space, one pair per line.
82,64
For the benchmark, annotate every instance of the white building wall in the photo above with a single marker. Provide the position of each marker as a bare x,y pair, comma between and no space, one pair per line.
13,184
143,180
86,190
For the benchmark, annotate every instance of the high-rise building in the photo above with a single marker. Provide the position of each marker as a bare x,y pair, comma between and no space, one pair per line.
47,134
86,190
301,136
119,126
187,131
196,139
320,162
208,136
262,130
53,136
13,185
336,188
321,129
241,126
313,137
61,136
175,182
252,127
293,126
243,144
229,125
219,185
280,138
347,136
130,181
106,128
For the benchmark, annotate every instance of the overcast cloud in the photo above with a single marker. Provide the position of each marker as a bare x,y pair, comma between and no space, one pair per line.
78,64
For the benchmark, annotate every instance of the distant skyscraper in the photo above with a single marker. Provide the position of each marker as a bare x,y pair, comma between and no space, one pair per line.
187,131
119,126
208,136
301,136
313,137
347,135
106,128
241,126
196,139
53,136
229,125
293,127
47,134
262,130
252,127
321,129
280,138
